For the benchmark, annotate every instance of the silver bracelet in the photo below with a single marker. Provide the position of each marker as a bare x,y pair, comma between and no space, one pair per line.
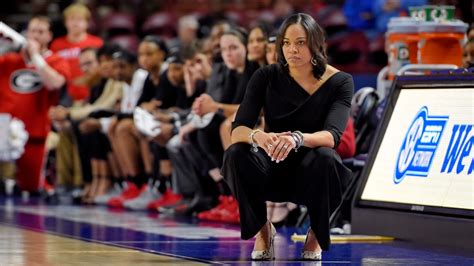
299,139
296,140
254,145
301,136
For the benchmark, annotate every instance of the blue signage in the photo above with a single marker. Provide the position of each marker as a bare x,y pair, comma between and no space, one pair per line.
419,146
460,146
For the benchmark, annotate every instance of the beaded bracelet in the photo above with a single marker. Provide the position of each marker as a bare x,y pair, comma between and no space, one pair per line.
254,145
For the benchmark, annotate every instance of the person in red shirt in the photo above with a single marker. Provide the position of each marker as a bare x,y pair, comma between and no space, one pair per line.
76,18
29,85
347,145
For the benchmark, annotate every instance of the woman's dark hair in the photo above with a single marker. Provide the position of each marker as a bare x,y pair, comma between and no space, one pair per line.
175,57
469,41
126,56
158,42
108,49
265,28
189,51
238,32
316,42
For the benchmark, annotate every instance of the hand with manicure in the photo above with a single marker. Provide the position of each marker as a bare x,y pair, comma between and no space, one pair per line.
276,145
283,147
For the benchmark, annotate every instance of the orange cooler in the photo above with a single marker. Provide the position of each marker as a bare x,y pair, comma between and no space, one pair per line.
402,43
441,43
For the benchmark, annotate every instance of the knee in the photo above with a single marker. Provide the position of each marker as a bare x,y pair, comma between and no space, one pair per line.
236,150
233,159
125,126
324,155
173,144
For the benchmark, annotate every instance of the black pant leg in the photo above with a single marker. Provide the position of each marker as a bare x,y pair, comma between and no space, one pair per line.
209,140
201,164
321,170
83,146
186,178
246,173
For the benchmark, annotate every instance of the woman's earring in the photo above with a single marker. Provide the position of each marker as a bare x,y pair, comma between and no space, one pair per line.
313,61
286,64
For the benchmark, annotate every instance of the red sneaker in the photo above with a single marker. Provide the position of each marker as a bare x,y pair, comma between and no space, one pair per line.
169,198
48,188
230,214
130,192
214,213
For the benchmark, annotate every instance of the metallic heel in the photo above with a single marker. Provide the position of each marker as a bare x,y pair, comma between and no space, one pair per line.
310,255
266,254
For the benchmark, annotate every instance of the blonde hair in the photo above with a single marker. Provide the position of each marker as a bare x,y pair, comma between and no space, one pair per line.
77,8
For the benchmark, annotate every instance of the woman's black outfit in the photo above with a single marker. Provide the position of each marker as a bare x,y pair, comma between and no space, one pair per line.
311,177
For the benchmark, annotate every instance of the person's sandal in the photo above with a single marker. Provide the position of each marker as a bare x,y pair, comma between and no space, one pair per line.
266,254
308,254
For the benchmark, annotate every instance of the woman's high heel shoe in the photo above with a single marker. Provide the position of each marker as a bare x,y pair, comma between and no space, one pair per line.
266,254
309,254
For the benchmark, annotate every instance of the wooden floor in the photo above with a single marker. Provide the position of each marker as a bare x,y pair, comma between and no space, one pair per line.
24,247
33,232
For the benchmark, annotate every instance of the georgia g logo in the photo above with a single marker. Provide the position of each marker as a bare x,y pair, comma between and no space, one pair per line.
419,146
25,81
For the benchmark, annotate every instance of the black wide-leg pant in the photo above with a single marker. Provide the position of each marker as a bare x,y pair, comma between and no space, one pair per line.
311,177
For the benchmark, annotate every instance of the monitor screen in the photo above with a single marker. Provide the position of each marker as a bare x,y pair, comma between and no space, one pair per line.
423,158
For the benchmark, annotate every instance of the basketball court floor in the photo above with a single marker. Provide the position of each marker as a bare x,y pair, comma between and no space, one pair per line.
34,233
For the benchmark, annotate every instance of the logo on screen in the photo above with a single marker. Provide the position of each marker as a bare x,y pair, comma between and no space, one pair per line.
419,146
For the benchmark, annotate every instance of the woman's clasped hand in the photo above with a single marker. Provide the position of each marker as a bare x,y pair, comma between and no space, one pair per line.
277,145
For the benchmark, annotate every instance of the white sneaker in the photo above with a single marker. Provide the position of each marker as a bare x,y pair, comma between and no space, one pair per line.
115,191
141,202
